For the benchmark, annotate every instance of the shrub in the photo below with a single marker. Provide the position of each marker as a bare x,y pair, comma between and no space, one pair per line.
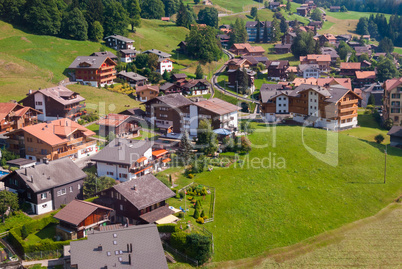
178,240
199,247
167,228
379,138
202,214
181,193
24,232
205,217
190,198
193,201
200,220
177,196
190,176
6,166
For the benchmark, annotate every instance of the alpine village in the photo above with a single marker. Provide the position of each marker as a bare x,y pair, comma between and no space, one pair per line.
154,134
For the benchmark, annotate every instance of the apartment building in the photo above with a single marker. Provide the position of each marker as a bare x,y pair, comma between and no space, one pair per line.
392,100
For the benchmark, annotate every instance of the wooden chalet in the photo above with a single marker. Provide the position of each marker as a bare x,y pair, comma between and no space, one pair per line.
14,116
120,125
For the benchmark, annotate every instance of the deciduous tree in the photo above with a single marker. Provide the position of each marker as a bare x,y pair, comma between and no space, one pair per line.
74,25
8,201
117,19
199,73
152,9
208,16
134,13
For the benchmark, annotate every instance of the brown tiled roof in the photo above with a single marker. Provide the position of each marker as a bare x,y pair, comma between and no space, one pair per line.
316,57
147,87
345,82
248,47
61,95
77,211
365,75
392,83
353,66
6,108
113,120
217,106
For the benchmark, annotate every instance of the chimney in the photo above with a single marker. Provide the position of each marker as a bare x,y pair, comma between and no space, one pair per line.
129,259
128,248
131,248
32,179
30,91
26,171
99,247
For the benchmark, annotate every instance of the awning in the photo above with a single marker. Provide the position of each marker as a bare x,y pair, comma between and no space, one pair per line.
166,160
156,214
222,131
140,160
166,220
160,152
142,170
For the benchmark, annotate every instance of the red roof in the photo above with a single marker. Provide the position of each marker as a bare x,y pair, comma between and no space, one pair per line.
353,66
113,120
147,87
390,84
159,152
365,75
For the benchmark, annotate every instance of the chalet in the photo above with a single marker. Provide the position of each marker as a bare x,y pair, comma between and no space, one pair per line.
182,47
53,140
179,76
323,61
344,37
165,65
93,71
146,92
119,42
282,48
316,24
309,70
365,64
129,247
140,200
302,11
331,107
364,78
327,38
360,50
14,116
274,5
277,69
247,50
237,63
225,28
349,69
334,8
136,111
233,76
251,28
224,40
105,54
161,55
395,136
79,217
255,60
353,44
374,89
195,87
170,88
47,186
132,78
21,163
331,52
345,82
288,38
128,55
392,100
377,55
56,102
165,19
119,125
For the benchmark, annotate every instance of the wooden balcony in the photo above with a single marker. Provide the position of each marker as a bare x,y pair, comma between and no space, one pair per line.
107,78
105,73
349,116
107,68
73,150
348,109
75,141
349,102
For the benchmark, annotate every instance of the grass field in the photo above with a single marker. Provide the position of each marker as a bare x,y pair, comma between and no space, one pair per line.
259,209
48,232
355,15
236,6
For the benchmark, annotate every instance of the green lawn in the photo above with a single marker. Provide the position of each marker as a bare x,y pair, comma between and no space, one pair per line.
258,209
263,15
49,232
146,134
13,221
352,15
236,6
327,25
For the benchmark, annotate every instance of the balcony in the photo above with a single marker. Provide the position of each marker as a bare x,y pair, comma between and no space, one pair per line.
73,150
105,73
107,79
75,141
348,109
349,102
345,117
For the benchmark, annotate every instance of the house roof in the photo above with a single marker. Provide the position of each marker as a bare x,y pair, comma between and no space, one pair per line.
154,88
157,214
283,46
365,74
166,86
390,84
395,131
250,24
248,47
113,120
217,106
316,57
55,132
144,191
303,67
328,36
103,54
333,93
47,176
172,100
352,66
329,51
345,82
277,64
267,91
122,151
21,161
179,76
91,62
132,76
77,211
238,61
121,38
136,111
61,95
159,53
6,108
147,251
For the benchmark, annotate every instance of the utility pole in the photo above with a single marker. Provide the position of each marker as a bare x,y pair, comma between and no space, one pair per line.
385,165
237,87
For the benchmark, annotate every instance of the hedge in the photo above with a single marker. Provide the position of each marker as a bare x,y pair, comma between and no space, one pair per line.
167,228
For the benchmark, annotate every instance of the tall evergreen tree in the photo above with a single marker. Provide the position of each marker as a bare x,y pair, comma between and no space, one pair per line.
208,16
257,37
134,13
117,19
94,12
284,25
43,16
74,25
183,17
362,26
288,5
152,9
96,31
276,30
265,36
185,150
198,72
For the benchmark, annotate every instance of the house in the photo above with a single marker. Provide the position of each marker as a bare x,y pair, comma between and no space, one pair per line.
322,60
349,69
132,78
105,54
165,19
309,70
161,55
377,55
247,50
165,65
170,88
360,50
207,2
53,140
129,247
128,55
126,159
237,63
283,48
93,71
138,201
179,76
330,107
79,217
182,47
233,76
136,111
366,37
225,28
288,38
224,40
14,116
316,24
374,89
277,69
392,100
344,37
274,5
119,125
146,92
302,11
353,44
327,38
395,136
21,163
255,60
331,52
195,87
119,42
56,102
365,78
47,186
251,28
365,64
345,82
334,8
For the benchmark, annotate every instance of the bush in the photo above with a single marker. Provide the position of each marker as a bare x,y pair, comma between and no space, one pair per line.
177,196
190,198
178,241
6,166
205,217
193,201
379,138
199,247
181,193
190,176
200,220
167,228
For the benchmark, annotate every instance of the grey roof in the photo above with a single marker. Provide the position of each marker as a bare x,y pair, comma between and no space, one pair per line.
254,60
144,191
159,53
122,151
303,67
333,93
61,95
267,91
132,75
104,53
119,37
166,86
251,24
329,51
179,76
94,61
47,176
395,131
147,251
172,100
128,51
20,162
283,46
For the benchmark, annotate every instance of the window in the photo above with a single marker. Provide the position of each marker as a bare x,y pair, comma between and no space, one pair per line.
114,242
396,95
38,103
28,195
79,186
43,151
110,173
61,192
71,188
43,196
115,235
121,207
44,206
108,253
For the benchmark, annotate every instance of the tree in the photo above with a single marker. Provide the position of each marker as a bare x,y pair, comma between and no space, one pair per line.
386,69
185,151
371,100
94,184
343,50
386,45
208,16
199,73
117,19
166,75
24,232
344,9
291,76
203,45
94,12
338,62
96,31
265,36
8,201
198,246
110,137
303,44
353,57
134,13
141,60
7,156
246,128
253,12
43,16
12,10
245,144
196,2
364,57
284,25
288,5
154,77
153,61
74,25
275,30
373,29
242,80
388,123
316,15
258,33
206,138
171,7
362,26
379,138
183,17
239,32
152,9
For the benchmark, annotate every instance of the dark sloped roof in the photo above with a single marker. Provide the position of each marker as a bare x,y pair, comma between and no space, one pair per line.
46,176
119,37
77,211
21,161
147,251
132,75
94,61
268,91
172,100
148,191
104,53
217,106
159,53
166,86
122,151
395,131
61,95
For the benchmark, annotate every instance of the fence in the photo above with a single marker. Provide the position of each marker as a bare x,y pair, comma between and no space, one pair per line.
45,254
177,253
